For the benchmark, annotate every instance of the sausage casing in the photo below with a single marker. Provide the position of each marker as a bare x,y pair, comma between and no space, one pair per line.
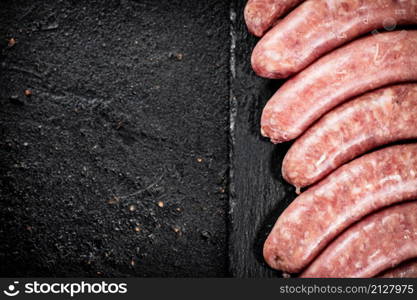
318,215
319,26
407,269
359,67
374,119
260,15
380,241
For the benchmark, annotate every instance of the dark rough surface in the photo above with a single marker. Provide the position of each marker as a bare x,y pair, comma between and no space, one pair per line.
129,108
258,192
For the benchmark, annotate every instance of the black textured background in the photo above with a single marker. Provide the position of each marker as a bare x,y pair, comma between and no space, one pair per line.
129,109
258,193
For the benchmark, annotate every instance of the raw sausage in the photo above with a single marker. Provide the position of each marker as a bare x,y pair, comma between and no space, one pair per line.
260,15
356,189
380,241
405,270
319,26
375,119
361,66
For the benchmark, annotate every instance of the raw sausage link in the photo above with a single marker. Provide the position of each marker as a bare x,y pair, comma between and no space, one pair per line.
361,66
260,15
405,270
319,26
354,190
375,119
381,241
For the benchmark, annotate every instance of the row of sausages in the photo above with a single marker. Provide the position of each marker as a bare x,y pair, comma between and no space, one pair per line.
347,95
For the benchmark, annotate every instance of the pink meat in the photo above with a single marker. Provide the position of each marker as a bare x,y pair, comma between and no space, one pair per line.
319,26
380,241
377,118
405,270
361,66
260,15
354,190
